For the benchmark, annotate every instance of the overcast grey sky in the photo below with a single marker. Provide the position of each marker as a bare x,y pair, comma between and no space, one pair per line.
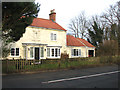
68,9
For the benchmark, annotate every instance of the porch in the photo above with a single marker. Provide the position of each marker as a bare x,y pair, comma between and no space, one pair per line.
36,51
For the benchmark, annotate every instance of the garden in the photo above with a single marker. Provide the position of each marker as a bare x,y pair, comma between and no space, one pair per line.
21,65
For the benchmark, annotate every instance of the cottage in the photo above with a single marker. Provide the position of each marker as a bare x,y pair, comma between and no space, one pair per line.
46,39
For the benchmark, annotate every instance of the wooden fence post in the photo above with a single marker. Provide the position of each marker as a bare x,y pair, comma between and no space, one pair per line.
21,65
67,62
7,65
17,65
59,63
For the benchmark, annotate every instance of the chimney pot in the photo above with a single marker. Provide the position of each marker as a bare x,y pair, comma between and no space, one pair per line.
52,15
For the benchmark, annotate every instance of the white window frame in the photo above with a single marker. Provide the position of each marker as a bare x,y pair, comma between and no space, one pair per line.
58,54
51,52
25,52
33,53
40,52
47,52
11,51
14,52
53,36
79,52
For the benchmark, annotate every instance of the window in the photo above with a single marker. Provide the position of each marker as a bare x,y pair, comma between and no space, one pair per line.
79,52
48,52
53,36
56,52
14,51
25,51
53,52
31,52
76,52
17,51
42,52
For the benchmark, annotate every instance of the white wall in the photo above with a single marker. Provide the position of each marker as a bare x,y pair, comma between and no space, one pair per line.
43,36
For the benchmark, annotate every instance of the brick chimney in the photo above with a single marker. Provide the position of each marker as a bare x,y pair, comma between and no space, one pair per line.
52,15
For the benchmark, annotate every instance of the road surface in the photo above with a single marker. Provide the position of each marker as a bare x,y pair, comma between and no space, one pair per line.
99,77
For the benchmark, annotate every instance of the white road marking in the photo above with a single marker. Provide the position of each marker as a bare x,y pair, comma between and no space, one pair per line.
74,78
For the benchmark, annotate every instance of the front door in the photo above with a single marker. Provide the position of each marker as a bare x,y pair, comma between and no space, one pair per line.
37,53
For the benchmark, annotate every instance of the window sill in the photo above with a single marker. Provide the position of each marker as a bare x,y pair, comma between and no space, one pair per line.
31,58
53,57
54,40
41,57
15,56
76,56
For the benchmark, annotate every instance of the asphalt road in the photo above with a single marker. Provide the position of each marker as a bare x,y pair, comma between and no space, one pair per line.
99,77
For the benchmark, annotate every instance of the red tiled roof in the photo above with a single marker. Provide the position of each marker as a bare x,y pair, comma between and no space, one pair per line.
72,41
85,42
45,23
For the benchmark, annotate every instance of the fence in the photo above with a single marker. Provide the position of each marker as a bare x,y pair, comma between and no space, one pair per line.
10,66
22,65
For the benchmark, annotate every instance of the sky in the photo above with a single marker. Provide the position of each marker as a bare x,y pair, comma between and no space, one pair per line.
68,9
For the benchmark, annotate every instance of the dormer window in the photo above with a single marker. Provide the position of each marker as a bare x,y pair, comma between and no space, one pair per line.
53,36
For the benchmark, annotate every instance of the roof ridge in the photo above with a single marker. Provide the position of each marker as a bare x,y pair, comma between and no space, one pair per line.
46,19
81,41
75,40
86,42
81,38
42,18
70,35
46,23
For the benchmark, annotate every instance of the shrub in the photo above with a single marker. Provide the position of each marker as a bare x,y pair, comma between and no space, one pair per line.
64,56
116,60
108,48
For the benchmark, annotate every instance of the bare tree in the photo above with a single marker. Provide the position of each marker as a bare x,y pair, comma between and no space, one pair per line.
78,25
119,27
111,18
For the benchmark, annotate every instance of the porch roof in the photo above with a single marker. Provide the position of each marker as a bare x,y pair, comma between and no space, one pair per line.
38,44
55,46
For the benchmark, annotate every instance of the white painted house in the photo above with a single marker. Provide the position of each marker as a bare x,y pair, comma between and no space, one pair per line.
46,39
